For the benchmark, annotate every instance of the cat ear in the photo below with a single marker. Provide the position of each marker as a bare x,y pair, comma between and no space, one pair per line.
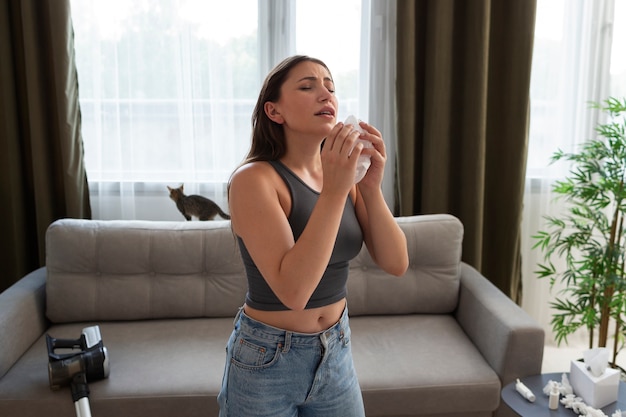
272,112
169,188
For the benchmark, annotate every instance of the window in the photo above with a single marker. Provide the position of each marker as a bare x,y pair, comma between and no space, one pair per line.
617,83
578,57
167,88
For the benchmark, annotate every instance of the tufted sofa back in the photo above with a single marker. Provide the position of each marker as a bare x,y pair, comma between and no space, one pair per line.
430,285
134,270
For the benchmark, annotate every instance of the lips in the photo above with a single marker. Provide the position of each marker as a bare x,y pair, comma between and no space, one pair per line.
326,111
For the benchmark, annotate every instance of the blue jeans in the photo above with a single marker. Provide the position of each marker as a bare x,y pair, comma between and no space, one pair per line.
271,372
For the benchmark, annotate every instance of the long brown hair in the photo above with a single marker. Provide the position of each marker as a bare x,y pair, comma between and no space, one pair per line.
268,137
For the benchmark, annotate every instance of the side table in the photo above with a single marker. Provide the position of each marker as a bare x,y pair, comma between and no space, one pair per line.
539,408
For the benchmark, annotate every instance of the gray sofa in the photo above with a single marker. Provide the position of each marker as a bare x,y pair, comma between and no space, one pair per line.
440,341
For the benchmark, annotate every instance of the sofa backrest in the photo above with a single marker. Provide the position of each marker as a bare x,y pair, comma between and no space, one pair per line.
133,270
431,283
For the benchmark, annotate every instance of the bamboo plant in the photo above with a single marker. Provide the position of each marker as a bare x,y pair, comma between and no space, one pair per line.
589,239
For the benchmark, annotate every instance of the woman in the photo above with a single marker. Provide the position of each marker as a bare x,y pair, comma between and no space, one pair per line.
299,219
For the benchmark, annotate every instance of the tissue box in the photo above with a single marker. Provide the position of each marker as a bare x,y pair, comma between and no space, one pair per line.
595,391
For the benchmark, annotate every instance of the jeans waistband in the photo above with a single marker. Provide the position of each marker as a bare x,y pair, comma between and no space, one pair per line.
264,331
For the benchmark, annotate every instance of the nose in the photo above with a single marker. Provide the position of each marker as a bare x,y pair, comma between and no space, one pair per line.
326,95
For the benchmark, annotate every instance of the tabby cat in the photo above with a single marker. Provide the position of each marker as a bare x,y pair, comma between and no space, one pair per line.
195,205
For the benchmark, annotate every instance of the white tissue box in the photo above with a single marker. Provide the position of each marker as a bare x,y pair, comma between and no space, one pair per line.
595,391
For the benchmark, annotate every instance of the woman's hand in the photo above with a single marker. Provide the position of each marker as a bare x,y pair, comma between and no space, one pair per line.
340,154
378,156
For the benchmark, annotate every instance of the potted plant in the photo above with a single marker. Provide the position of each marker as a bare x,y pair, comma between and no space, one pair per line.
589,238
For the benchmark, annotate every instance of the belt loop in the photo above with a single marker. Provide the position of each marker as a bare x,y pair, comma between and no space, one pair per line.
287,342
343,321
324,339
237,315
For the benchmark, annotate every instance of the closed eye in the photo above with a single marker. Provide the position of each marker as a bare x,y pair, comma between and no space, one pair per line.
306,88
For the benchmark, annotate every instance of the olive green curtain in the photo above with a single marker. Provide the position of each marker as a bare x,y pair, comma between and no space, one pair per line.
463,108
42,176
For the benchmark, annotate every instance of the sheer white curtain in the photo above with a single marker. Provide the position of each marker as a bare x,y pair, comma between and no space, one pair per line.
578,57
167,87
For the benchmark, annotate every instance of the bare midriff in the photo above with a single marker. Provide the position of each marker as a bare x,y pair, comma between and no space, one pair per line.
312,320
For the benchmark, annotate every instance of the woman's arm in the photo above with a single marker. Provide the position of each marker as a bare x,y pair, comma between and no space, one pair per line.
383,237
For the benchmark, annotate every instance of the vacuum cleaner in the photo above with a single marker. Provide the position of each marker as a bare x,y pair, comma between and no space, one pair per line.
76,362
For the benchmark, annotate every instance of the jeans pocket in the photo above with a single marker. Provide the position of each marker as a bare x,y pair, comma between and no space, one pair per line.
253,354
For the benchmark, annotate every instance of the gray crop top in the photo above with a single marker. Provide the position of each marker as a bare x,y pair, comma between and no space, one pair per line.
332,286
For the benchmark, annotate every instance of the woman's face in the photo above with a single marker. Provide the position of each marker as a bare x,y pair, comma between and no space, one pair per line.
307,103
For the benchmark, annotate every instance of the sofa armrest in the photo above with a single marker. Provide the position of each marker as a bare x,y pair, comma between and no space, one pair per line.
508,338
22,317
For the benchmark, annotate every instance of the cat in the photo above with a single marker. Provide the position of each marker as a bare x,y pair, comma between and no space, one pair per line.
195,205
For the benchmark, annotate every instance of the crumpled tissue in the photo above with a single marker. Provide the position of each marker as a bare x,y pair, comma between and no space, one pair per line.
596,360
364,161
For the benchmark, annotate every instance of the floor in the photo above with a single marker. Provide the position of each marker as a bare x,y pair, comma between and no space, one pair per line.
558,359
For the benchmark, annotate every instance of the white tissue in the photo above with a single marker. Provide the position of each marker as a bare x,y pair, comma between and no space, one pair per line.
364,160
596,360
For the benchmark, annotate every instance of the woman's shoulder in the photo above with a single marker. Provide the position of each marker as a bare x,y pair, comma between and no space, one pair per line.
253,175
253,169
255,191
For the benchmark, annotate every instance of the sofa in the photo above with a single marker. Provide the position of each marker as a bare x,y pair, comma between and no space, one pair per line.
439,341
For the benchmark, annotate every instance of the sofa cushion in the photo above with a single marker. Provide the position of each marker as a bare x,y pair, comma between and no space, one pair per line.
420,364
133,270
176,366
431,283
157,367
